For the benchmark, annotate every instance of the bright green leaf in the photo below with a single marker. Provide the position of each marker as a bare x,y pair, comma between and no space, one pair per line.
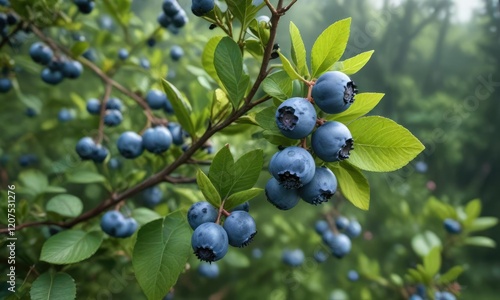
241,197
482,223
298,50
278,85
289,69
228,62
65,205
207,58
423,243
329,46
208,189
160,254
354,64
451,275
472,210
480,241
221,107
79,48
362,105
85,177
353,184
382,145
70,246
181,106
53,286
432,261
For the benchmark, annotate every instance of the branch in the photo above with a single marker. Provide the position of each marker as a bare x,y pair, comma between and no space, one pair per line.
105,97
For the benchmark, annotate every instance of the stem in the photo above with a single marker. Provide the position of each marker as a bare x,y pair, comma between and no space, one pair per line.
105,97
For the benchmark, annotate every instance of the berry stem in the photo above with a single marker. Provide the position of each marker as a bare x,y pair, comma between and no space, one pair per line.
310,85
107,92
221,211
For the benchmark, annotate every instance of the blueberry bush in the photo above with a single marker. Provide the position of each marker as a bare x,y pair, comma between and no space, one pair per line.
187,147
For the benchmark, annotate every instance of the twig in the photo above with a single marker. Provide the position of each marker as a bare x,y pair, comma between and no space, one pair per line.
105,97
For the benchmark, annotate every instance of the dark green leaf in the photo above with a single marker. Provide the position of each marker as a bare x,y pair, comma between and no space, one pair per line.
247,170
160,254
79,48
221,172
65,205
278,85
70,246
243,10
241,197
181,106
53,286
255,48
208,189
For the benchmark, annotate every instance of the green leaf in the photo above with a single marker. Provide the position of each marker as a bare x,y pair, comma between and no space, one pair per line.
247,170
329,46
480,241
289,69
278,85
241,197
415,275
382,145
221,172
482,223
54,189
440,209
472,210
236,259
207,58
70,246
33,182
208,189
53,286
181,106
243,10
65,205
298,50
451,275
353,184
255,48
79,48
362,105
354,64
423,243
221,107
85,177
228,62
160,254
144,215
432,261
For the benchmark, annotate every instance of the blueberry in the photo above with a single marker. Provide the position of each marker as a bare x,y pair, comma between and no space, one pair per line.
94,106
106,22
257,253
85,148
164,20
352,275
56,65
332,141
12,19
156,99
321,188
90,54
130,145
421,290
245,206
452,226
421,166
157,140
202,7
113,117
180,19
320,256
116,225
444,296
177,133
334,92
210,242
240,228
65,115
152,196
415,297
321,226
171,7
31,112
279,196
341,222
293,258
5,85
4,3
123,54
201,212
293,167
72,69
144,62
85,7
208,270
151,42
100,154
27,160
176,52
296,118
353,229
114,103
41,54
340,245
114,163
51,77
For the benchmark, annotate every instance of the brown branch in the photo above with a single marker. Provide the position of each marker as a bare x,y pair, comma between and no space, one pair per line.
6,39
180,180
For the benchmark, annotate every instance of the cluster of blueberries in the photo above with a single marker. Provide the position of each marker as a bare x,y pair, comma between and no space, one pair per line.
113,110
6,20
338,241
85,6
116,225
294,172
210,241
56,68
420,294
173,16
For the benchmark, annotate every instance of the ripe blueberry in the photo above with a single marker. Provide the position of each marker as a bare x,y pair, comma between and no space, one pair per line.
321,188
114,163
334,92
352,275
208,270
341,222
353,229
444,296
116,225
415,297
72,69
156,99
114,103
176,52
340,245
27,160
94,106
279,196
171,7
201,212
64,115
179,19
41,54
293,258
164,20
5,85
321,226
177,133
157,140
85,6
452,226
293,167
296,118
52,76
320,256
332,141
100,154
209,242
240,228
421,166
202,7
152,196
123,54
112,117
144,63
130,144
85,148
